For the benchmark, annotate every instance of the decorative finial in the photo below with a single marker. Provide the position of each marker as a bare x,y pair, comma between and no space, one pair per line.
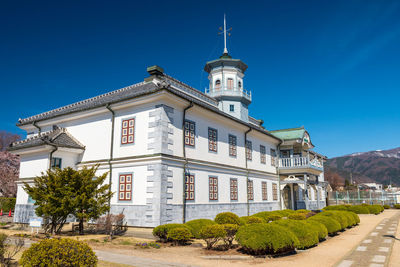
224,31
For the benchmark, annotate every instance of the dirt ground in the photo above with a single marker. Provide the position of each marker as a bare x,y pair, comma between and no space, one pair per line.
327,253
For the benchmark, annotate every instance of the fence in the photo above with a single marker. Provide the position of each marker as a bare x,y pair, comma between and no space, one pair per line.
361,196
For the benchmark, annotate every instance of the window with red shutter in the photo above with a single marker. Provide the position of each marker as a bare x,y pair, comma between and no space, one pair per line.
212,139
190,132
189,185
125,187
213,188
250,190
234,189
128,131
232,146
264,190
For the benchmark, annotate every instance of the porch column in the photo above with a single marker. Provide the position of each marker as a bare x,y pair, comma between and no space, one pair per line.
318,195
306,191
292,196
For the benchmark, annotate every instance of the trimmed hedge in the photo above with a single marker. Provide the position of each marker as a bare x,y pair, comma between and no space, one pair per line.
227,218
386,207
396,206
298,216
359,209
250,219
195,226
212,234
179,235
268,216
307,236
59,252
231,230
319,228
162,231
263,238
7,203
337,207
338,216
332,225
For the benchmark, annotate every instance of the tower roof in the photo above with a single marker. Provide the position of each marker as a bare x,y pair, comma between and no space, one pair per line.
225,61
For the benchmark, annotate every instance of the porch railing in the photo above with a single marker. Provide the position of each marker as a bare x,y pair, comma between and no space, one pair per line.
299,162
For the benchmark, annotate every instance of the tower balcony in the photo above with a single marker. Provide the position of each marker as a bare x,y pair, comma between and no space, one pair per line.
233,92
300,165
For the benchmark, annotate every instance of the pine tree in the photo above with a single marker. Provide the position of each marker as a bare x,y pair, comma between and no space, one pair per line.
92,196
53,196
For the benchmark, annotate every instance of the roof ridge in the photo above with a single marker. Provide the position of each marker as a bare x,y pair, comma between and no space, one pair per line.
36,136
288,129
81,102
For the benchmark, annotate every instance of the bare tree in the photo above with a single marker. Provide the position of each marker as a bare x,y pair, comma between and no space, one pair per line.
333,178
6,138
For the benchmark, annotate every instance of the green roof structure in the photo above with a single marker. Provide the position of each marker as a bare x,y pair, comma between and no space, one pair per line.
289,134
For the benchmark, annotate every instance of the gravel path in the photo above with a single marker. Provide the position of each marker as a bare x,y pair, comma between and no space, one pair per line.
375,249
135,261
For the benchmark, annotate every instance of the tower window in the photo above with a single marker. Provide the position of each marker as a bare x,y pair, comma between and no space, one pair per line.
230,83
217,84
231,108
239,84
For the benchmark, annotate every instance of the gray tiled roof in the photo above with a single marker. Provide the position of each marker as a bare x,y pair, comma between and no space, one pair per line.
144,88
94,102
58,137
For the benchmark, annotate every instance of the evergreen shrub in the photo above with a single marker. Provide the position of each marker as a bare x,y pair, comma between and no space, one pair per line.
386,206
7,203
268,216
59,252
306,235
195,226
374,209
227,217
266,238
298,216
358,209
396,206
231,230
336,207
211,234
179,235
161,231
319,228
338,216
332,225
250,219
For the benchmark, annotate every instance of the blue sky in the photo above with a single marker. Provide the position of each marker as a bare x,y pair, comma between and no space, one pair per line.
330,66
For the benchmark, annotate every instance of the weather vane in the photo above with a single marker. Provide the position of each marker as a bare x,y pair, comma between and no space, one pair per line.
224,32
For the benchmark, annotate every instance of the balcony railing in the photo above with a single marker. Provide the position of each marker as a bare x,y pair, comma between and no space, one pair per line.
299,162
230,91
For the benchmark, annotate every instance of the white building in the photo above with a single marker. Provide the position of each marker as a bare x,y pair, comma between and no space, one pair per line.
174,153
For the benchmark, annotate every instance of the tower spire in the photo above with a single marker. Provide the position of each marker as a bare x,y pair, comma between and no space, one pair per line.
225,32
225,49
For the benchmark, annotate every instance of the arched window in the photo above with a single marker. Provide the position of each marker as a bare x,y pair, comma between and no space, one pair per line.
230,84
217,84
240,84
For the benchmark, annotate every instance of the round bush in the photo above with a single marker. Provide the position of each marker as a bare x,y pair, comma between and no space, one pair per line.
396,206
336,207
338,216
161,231
212,234
352,218
250,219
298,216
59,252
268,216
195,226
179,235
263,238
332,225
231,230
319,228
303,211
227,217
307,236
386,207
355,216
359,209
283,213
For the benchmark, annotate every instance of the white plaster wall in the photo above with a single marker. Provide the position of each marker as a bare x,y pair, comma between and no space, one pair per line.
22,196
205,119
68,159
33,165
202,186
139,183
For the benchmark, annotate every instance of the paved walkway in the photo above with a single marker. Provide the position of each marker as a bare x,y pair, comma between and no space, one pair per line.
375,249
135,261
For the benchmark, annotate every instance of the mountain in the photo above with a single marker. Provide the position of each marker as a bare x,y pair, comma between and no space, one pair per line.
380,166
